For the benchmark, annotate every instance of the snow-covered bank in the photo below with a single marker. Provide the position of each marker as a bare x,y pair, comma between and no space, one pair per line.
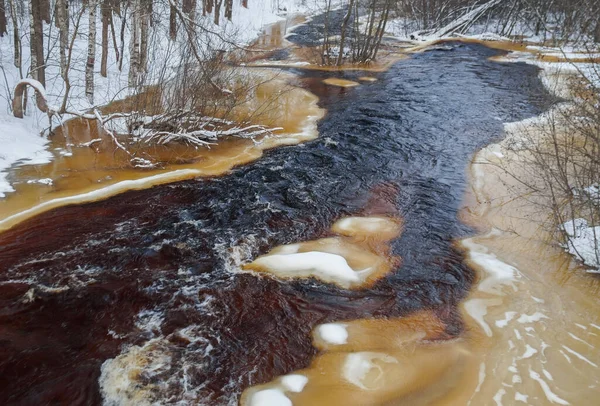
22,141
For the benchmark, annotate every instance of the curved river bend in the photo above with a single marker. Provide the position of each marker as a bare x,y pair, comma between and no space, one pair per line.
156,274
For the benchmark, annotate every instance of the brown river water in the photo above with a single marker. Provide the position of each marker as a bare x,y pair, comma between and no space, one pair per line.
363,261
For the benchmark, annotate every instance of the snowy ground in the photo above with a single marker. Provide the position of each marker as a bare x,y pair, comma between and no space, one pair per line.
21,141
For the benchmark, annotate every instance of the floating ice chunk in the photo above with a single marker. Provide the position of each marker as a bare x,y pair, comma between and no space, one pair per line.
322,265
333,333
294,382
270,397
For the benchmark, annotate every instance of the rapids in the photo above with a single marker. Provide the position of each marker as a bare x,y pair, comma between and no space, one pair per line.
148,297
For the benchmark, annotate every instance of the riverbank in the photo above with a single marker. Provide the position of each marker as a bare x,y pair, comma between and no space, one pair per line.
534,310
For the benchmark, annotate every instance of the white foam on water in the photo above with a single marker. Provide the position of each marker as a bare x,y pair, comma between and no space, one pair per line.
499,273
517,334
566,356
529,352
578,355
270,397
547,374
508,317
477,309
333,333
519,397
535,317
498,396
358,365
580,340
294,382
551,396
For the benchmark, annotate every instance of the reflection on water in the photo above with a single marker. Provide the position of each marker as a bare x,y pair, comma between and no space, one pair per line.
143,297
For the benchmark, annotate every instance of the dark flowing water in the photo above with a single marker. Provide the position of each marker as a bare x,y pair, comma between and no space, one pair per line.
80,284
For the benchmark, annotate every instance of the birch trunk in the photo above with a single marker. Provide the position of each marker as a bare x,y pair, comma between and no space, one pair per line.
134,44
146,14
62,17
36,43
91,58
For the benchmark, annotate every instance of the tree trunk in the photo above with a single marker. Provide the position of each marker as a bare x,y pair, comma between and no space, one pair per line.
105,10
112,34
245,3
173,22
343,32
134,44
91,57
37,68
217,16
45,10
2,19
228,9
62,18
209,6
146,8
16,36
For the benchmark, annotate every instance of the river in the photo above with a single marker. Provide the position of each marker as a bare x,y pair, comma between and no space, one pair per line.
144,297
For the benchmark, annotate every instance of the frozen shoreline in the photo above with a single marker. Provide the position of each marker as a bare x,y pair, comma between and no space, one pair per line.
21,139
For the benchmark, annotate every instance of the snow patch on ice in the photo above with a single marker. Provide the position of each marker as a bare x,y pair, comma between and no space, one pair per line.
321,265
294,382
270,397
333,333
